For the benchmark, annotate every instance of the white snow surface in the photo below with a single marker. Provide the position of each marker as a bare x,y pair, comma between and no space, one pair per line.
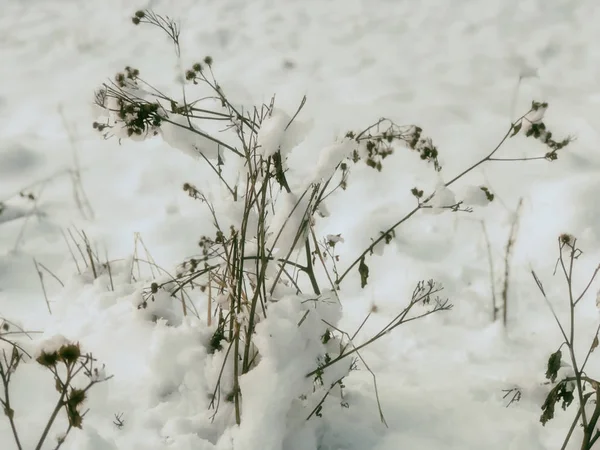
450,67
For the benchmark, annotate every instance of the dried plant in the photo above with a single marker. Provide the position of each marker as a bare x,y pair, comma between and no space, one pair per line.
574,385
271,254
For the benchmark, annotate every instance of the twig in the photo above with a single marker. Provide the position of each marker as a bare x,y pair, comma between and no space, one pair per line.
71,251
79,194
28,216
209,302
112,285
5,376
376,241
419,295
90,254
41,277
78,247
52,274
492,272
509,246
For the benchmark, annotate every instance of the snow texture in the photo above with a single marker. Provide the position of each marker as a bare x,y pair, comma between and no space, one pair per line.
461,70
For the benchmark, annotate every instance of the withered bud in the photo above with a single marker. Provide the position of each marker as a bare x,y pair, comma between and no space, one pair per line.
47,359
565,238
76,397
69,353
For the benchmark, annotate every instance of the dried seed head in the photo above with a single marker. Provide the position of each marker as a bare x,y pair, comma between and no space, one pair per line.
47,359
566,238
69,353
76,397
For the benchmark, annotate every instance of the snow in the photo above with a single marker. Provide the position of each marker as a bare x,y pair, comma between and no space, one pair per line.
288,226
52,345
278,132
277,339
475,196
460,70
444,198
191,144
533,117
330,157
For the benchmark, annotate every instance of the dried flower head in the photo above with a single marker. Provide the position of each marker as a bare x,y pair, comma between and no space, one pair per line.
47,359
69,353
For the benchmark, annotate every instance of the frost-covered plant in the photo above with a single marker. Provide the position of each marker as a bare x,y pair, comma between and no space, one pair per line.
574,383
67,364
269,280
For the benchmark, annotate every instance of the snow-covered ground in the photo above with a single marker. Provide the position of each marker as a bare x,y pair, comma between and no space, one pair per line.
450,67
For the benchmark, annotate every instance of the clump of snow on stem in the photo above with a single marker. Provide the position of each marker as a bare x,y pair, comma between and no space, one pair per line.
443,198
279,133
532,117
294,327
183,135
475,196
333,239
51,345
331,156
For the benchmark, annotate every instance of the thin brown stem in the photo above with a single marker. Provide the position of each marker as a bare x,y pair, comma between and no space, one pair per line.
376,241
492,272
6,405
509,245
41,277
